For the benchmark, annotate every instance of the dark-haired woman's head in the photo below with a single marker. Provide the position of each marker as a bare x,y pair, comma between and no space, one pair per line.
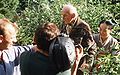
45,34
110,23
105,28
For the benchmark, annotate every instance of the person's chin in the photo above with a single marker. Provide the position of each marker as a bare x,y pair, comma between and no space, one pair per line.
102,35
10,46
67,22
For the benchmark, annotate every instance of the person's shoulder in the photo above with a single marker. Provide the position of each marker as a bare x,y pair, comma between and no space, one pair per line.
83,22
113,39
95,35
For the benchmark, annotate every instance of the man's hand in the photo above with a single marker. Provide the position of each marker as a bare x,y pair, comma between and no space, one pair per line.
79,54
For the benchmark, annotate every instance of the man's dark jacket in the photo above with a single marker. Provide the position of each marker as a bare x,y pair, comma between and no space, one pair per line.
81,33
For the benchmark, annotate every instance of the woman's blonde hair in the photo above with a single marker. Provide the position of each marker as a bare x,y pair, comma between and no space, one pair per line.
5,22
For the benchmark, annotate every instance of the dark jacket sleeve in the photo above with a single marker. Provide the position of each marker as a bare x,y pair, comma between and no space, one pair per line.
81,34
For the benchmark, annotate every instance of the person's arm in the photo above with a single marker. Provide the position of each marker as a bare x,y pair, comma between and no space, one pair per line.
79,54
115,48
18,50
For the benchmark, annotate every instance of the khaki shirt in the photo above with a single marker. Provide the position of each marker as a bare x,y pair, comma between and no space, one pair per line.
109,46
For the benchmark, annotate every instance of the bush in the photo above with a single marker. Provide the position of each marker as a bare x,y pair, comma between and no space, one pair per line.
38,12
31,13
8,8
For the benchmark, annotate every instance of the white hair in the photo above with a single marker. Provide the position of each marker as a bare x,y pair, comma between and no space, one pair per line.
70,8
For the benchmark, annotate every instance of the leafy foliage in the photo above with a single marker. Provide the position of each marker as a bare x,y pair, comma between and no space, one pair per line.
107,64
38,12
30,13
110,65
8,8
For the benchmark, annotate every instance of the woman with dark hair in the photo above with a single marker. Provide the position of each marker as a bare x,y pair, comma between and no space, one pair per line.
104,39
37,63
54,55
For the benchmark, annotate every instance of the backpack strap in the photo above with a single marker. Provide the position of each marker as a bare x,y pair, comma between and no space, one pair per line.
51,47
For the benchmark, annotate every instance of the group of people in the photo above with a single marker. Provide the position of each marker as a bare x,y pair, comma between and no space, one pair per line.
78,53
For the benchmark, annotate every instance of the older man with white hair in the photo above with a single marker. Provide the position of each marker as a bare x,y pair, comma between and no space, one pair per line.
80,32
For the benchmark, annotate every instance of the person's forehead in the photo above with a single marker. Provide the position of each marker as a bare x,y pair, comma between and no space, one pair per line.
65,11
10,28
103,26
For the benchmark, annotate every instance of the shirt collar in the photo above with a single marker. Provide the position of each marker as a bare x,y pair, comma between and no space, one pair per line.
74,22
106,41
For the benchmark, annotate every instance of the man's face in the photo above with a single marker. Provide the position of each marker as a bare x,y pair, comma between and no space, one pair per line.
105,30
67,17
9,38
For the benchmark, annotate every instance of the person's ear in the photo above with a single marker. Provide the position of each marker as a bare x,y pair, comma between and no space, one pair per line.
73,15
1,38
34,40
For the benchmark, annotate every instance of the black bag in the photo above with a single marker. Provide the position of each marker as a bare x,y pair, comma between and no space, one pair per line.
62,53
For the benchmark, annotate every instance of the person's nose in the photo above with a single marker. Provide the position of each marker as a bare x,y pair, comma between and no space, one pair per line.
14,39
